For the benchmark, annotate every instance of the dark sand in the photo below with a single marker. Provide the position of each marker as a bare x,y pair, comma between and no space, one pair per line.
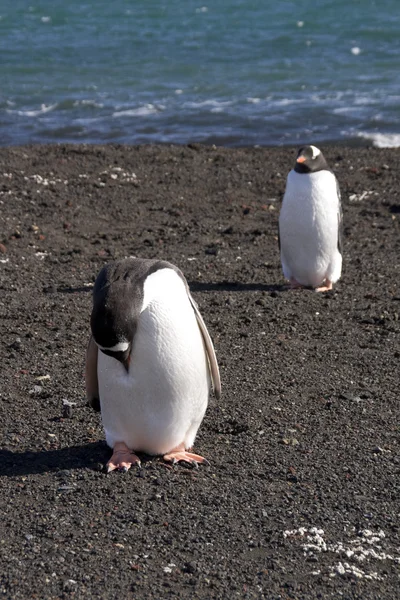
306,434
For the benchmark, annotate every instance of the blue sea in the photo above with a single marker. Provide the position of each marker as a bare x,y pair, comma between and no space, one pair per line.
227,72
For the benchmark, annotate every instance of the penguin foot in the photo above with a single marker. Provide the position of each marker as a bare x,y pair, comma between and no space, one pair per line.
181,455
325,288
294,284
122,458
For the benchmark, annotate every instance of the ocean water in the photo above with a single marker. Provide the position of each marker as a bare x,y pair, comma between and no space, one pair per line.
229,72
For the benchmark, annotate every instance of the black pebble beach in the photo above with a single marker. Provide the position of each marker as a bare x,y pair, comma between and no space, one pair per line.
301,498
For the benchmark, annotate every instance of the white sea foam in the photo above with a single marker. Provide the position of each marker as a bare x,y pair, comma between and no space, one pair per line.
286,101
91,103
140,111
211,103
35,113
365,100
382,140
343,110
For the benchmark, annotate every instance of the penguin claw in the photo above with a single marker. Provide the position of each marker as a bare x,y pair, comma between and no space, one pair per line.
122,459
325,288
176,456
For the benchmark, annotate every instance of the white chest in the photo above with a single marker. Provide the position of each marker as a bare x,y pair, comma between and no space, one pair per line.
152,407
308,226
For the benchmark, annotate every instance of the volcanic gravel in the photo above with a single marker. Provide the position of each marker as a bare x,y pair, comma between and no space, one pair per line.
301,498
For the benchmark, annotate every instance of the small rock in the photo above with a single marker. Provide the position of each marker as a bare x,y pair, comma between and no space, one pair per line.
69,585
66,411
67,408
42,378
261,302
290,441
190,567
36,390
66,488
212,250
16,344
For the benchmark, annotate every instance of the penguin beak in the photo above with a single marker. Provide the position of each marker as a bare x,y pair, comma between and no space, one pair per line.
301,159
124,357
126,362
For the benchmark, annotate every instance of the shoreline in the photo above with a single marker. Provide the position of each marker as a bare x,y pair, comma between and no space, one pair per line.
356,142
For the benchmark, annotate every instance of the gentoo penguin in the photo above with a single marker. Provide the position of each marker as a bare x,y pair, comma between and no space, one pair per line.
149,363
310,223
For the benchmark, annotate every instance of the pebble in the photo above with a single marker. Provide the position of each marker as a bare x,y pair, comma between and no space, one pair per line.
190,567
67,408
16,344
66,411
36,390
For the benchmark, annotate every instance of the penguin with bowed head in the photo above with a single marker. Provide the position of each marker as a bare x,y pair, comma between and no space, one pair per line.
150,362
310,223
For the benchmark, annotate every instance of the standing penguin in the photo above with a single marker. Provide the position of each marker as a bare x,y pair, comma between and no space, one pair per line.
149,362
310,223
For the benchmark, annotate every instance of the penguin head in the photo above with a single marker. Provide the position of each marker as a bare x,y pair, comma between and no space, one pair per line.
116,306
113,333
309,160
120,351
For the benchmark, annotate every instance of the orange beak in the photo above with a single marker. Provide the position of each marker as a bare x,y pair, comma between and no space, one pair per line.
301,159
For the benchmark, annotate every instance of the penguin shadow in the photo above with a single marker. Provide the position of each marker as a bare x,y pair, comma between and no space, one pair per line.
235,286
89,456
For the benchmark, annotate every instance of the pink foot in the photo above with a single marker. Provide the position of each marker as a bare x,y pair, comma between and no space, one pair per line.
325,288
122,458
179,454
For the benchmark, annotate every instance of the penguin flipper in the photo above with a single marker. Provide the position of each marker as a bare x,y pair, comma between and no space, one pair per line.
212,359
340,219
92,384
